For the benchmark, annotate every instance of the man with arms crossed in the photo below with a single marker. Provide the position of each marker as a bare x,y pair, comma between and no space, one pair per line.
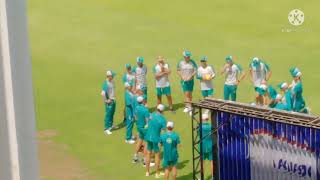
161,73
140,72
187,69
234,74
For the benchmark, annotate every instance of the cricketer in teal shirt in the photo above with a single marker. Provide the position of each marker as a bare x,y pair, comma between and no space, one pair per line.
299,104
142,113
129,111
170,141
287,99
108,93
156,124
207,142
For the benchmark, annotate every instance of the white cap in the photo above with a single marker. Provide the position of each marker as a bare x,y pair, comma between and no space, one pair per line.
299,74
127,84
160,107
278,97
170,124
255,59
205,116
109,73
263,86
140,99
284,85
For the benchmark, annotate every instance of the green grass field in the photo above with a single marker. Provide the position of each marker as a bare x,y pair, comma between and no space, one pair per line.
73,42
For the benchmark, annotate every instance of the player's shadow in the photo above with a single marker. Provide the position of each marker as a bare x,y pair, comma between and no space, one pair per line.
182,164
175,107
178,106
184,177
120,126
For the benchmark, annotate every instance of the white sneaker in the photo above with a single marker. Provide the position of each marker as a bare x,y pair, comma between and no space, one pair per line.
130,141
107,132
159,175
186,110
147,174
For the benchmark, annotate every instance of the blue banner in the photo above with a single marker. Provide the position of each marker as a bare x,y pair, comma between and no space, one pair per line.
253,148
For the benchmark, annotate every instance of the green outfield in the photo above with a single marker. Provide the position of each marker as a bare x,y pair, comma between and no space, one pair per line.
74,42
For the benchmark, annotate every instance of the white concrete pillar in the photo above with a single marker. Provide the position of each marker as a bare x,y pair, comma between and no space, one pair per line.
18,152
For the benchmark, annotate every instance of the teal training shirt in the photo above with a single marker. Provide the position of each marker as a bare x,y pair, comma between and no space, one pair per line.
156,123
128,98
207,142
142,113
272,92
170,142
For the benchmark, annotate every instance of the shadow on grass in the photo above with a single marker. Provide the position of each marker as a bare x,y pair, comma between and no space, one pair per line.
175,107
182,164
119,126
184,177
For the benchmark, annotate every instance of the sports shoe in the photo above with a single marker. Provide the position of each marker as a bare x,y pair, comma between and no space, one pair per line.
186,110
159,175
107,132
130,141
147,174
115,127
135,160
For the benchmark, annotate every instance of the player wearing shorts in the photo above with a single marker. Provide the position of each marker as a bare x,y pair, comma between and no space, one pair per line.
108,94
207,151
170,142
205,75
156,124
233,75
142,116
161,73
259,74
140,72
187,69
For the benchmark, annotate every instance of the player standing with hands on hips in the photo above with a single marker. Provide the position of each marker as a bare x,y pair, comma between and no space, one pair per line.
234,74
187,69
108,94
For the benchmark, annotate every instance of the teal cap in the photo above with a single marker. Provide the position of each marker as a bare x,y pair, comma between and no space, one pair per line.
229,58
295,72
186,53
256,62
140,59
128,66
204,59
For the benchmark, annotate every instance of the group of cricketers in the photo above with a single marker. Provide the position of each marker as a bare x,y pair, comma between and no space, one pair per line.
153,128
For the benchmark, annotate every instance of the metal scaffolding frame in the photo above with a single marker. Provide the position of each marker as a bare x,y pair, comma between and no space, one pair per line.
215,105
